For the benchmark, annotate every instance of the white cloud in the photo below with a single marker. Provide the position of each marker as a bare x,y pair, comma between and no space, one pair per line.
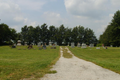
53,18
116,3
111,15
12,15
19,18
88,8
9,8
102,28
31,4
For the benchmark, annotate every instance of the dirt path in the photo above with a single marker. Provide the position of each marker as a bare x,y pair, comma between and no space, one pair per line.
78,69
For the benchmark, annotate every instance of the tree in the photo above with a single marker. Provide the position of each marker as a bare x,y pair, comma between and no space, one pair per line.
44,33
7,35
111,35
24,33
37,35
74,35
52,32
61,34
89,36
68,34
30,36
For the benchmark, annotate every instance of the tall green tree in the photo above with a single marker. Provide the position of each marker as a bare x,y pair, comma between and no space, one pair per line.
24,33
52,32
44,33
61,34
111,35
37,35
68,34
7,35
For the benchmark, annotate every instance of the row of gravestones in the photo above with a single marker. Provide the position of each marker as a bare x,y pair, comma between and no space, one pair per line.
39,44
82,46
53,46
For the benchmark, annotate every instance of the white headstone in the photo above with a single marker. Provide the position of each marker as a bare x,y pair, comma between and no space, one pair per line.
39,44
25,43
91,45
72,44
84,45
97,47
19,43
111,45
50,43
55,43
33,43
78,45
68,43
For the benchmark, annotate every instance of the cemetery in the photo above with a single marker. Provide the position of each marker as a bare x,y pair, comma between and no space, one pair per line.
33,51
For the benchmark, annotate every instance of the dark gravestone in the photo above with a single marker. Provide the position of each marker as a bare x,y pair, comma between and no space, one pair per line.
53,47
30,47
44,46
40,48
14,46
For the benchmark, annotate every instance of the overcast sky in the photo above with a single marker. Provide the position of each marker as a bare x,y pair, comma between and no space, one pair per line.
94,14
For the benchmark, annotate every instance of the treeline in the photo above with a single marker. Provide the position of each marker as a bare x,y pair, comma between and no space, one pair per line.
44,33
111,35
7,34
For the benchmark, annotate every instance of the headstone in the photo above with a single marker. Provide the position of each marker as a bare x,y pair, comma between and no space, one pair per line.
106,47
97,47
30,46
39,44
72,44
78,45
68,43
19,43
102,45
91,45
55,44
25,43
33,43
14,46
111,45
44,46
84,45
50,43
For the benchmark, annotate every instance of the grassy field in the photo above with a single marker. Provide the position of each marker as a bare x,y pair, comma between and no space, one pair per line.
107,58
19,63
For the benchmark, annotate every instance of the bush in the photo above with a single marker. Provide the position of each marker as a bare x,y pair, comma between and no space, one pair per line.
98,45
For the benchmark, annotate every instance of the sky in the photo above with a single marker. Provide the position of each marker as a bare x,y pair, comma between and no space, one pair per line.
93,14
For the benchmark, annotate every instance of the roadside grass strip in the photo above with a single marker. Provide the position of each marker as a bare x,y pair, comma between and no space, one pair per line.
66,52
20,63
107,58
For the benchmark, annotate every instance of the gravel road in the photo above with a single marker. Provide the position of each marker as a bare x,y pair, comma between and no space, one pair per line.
78,69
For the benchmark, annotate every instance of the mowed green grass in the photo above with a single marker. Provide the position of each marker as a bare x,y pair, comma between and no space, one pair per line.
65,53
107,58
18,64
